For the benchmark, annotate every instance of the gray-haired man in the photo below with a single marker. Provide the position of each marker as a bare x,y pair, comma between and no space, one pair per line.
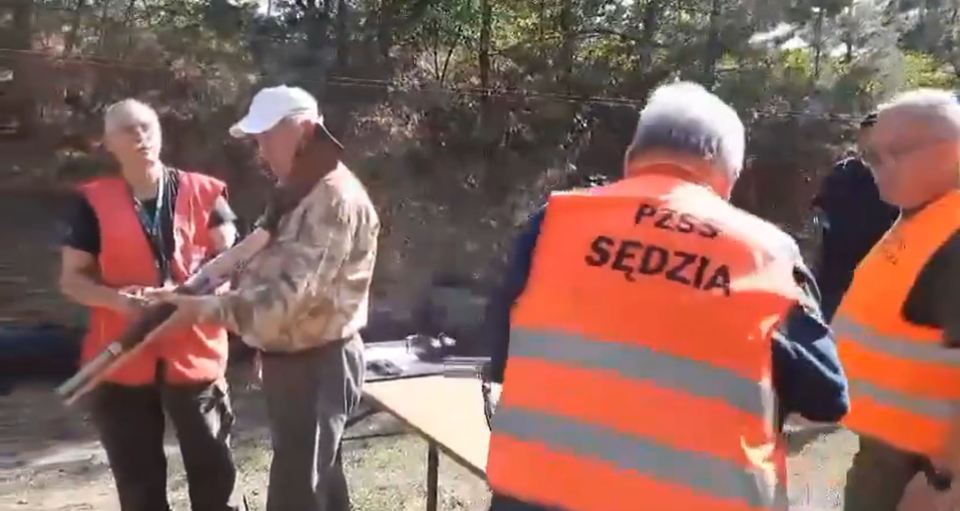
303,298
569,269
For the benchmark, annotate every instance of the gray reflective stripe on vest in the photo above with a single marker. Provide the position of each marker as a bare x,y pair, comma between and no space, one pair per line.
642,363
900,347
699,472
933,408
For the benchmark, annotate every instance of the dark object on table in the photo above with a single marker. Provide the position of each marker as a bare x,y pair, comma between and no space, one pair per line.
454,305
429,348
384,368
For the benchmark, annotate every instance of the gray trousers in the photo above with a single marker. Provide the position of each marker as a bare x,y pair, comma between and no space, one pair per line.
130,421
309,396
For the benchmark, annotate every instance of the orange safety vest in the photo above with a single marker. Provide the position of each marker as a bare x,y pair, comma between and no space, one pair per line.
193,355
639,369
903,382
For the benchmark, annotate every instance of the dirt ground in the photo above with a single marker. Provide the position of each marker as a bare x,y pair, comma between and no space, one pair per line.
50,461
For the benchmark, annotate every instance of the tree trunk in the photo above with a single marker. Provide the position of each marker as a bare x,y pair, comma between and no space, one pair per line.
543,18
23,26
649,14
714,51
567,24
317,20
127,21
446,61
101,37
343,38
483,55
385,24
73,35
818,43
23,97
436,51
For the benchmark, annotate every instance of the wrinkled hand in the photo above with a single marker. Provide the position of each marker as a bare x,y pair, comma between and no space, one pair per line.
132,300
159,294
190,311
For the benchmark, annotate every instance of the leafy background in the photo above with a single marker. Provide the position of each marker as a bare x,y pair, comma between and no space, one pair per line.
460,115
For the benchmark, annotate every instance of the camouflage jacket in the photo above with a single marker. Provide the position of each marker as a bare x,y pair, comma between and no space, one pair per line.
310,284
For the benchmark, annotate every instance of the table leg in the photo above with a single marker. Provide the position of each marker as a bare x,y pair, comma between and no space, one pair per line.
433,462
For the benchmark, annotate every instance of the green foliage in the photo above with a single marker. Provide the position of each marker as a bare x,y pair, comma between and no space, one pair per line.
924,70
399,80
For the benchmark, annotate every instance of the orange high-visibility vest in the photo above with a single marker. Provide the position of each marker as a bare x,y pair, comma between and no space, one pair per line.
196,354
903,382
639,369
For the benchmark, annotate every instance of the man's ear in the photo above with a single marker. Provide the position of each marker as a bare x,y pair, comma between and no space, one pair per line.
307,133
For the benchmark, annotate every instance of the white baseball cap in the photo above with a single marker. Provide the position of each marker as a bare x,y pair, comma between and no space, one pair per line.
273,104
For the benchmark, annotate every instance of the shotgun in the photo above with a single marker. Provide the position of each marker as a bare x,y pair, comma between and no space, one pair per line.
210,277
129,343
285,197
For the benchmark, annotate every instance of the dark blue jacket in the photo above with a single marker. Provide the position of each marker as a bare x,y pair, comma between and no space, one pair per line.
854,219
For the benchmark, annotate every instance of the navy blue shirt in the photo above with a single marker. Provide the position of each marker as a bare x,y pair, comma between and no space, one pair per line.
806,368
854,220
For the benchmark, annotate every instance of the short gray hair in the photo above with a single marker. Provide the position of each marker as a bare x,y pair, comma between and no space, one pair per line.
938,107
686,118
120,113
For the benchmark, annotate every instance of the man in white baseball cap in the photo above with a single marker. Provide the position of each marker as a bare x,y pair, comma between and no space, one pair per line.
302,301
271,105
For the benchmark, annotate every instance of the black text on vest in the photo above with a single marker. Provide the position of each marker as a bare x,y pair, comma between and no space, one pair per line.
672,220
637,259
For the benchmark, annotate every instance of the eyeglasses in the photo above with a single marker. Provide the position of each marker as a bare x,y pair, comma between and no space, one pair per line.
888,156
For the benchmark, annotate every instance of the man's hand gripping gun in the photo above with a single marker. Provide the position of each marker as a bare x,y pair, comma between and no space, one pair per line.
206,281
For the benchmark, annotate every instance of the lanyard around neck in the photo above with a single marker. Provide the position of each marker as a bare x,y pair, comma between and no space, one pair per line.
152,225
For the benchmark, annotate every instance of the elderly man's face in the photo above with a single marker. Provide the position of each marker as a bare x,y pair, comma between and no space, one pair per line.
912,160
278,145
135,140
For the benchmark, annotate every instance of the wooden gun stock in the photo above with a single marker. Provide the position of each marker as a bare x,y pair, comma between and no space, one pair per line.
216,272
129,343
303,178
